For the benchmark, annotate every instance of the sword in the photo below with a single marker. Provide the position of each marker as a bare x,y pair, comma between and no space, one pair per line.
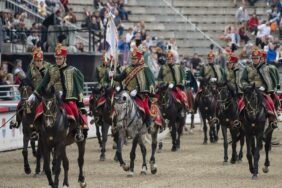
11,117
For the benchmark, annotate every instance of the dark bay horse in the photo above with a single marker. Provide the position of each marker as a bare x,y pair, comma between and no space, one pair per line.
254,117
174,112
56,132
102,115
228,115
206,102
128,121
27,113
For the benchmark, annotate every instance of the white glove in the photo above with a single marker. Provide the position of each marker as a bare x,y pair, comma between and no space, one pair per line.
171,85
213,79
111,73
60,94
261,88
118,88
133,93
31,98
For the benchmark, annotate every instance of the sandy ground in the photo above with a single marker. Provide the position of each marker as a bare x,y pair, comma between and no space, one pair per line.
194,165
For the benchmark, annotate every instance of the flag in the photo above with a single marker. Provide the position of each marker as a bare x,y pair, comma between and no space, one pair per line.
112,39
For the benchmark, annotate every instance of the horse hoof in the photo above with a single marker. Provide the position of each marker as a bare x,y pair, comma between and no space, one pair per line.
82,184
114,146
125,168
65,186
233,161
27,170
225,162
130,174
159,151
254,177
173,149
265,169
205,142
34,154
154,170
102,157
143,172
116,158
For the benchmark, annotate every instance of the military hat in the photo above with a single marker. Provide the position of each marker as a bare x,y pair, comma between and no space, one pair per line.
60,51
37,54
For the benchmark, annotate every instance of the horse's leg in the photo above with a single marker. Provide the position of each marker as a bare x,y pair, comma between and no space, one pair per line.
242,140
66,168
249,153
98,134
233,132
119,149
115,135
192,121
154,147
58,160
205,132
173,135
38,156
225,142
105,130
267,149
46,166
180,126
217,130
27,169
144,153
80,161
133,155
256,147
32,144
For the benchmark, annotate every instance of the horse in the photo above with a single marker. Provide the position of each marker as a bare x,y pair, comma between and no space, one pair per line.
228,115
27,113
206,101
191,100
103,115
174,112
56,132
128,121
253,117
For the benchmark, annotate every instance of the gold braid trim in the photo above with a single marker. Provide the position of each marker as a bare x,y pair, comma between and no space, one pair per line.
132,74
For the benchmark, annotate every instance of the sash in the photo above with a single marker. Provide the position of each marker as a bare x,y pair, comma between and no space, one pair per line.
131,75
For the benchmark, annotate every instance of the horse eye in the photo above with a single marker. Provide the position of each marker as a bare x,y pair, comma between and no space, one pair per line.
124,98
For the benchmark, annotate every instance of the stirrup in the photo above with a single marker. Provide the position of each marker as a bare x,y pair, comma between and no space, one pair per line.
34,136
79,137
13,124
215,120
273,125
237,123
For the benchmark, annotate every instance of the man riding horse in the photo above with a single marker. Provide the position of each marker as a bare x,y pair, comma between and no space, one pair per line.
174,75
68,83
211,71
138,79
36,71
233,75
262,77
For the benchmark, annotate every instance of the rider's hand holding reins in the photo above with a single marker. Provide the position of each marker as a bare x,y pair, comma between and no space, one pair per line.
31,98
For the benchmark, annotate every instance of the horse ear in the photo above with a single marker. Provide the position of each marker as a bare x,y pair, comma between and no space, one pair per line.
254,85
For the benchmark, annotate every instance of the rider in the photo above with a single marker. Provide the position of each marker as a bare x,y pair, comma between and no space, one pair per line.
68,83
138,79
174,75
210,71
36,71
233,74
260,74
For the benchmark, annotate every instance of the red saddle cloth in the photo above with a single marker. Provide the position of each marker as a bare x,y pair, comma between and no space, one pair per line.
154,112
180,96
267,101
71,110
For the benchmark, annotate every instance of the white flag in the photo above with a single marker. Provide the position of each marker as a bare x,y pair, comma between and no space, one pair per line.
112,39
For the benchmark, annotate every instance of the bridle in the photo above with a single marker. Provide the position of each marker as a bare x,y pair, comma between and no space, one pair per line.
50,113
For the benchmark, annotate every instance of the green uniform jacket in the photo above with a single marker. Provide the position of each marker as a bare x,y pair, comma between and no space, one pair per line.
260,76
190,80
71,82
172,73
233,78
35,75
142,81
275,77
213,71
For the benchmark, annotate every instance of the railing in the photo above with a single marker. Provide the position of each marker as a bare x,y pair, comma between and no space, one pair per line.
11,92
10,4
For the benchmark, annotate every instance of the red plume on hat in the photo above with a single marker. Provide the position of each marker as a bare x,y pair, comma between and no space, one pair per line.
60,51
211,55
233,59
136,54
37,54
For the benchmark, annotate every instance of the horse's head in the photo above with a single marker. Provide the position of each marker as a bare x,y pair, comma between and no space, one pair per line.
224,96
25,91
122,104
50,106
253,100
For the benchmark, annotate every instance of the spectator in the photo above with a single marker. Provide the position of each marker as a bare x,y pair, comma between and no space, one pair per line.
42,10
253,24
77,48
279,6
271,56
279,55
143,30
273,14
122,12
220,59
243,34
117,21
263,33
9,79
252,2
129,35
32,40
195,61
65,5
70,17
242,15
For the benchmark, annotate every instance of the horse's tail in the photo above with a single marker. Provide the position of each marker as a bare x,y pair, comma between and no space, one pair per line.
163,134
